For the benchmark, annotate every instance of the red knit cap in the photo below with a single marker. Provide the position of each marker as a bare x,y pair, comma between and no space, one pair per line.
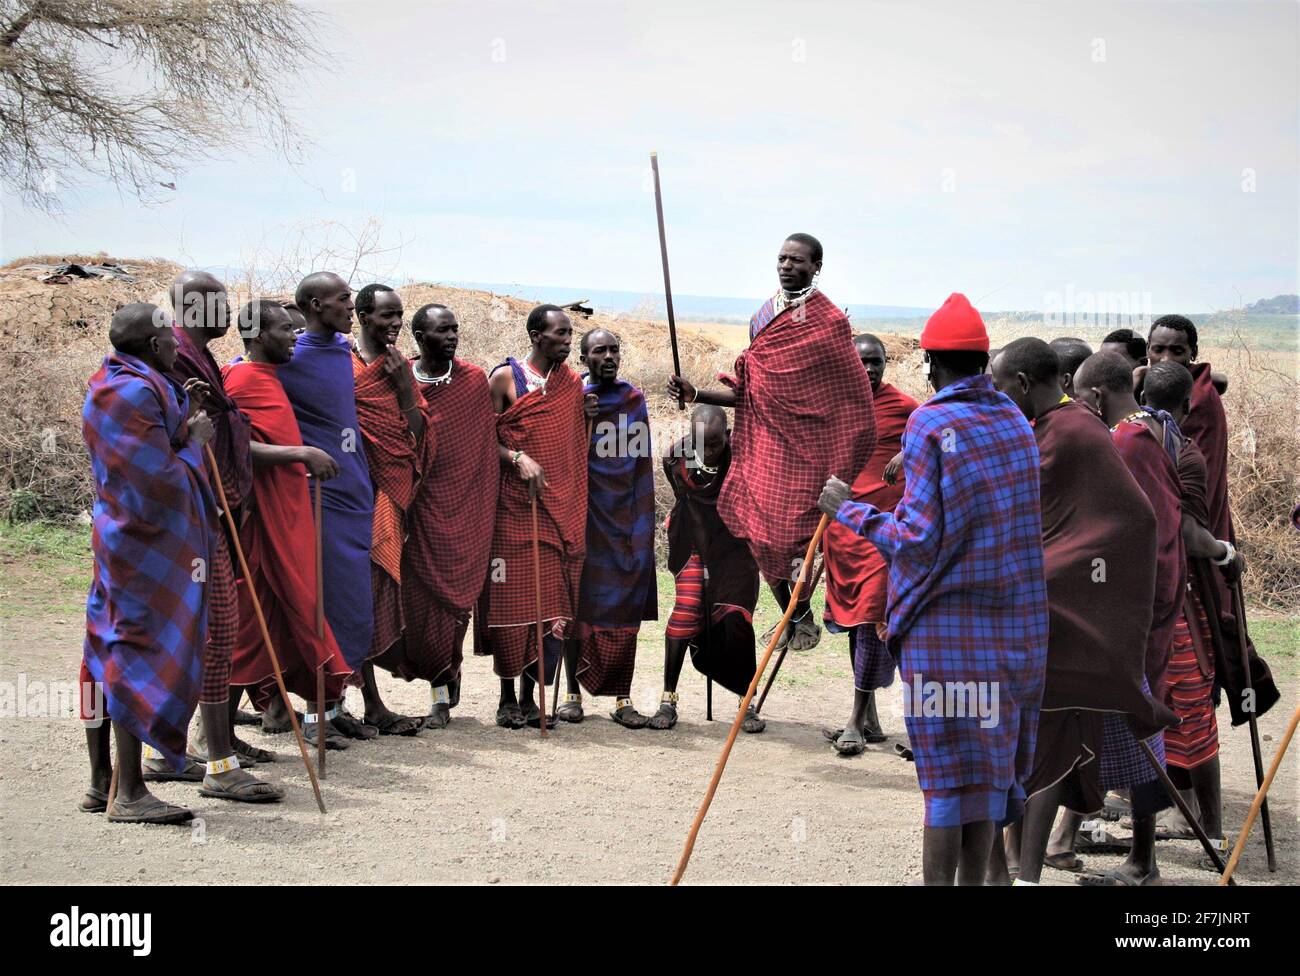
956,326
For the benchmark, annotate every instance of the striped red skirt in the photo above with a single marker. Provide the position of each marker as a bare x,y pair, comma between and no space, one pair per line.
1189,692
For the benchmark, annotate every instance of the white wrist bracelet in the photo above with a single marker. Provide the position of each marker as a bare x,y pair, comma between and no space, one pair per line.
1229,554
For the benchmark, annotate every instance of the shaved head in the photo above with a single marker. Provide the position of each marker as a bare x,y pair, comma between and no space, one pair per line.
1029,356
1167,386
709,415
144,331
134,325
326,303
1105,371
1028,373
199,305
867,341
317,285
187,282
1071,353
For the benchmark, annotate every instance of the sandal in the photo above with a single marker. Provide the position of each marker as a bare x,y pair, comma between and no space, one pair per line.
251,790
334,740
249,753
533,717
439,717
148,809
510,716
393,724
665,718
846,742
785,636
570,709
752,723
1116,879
626,715
807,634
243,717
95,801
347,724
1064,861
157,771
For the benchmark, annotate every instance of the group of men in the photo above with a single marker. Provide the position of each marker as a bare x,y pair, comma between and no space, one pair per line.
1062,550
323,506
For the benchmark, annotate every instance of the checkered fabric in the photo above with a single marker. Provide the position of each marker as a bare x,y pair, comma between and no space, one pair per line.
154,521
967,594
223,624
803,412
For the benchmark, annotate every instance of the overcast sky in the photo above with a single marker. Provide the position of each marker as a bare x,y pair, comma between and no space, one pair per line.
1016,152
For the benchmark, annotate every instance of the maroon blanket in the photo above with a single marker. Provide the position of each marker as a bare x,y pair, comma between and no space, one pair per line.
803,412
1154,471
1100,612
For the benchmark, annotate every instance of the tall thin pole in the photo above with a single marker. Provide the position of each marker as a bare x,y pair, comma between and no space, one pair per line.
1258,803
1239,601
744,705
668,285
320,631
541,643
261,621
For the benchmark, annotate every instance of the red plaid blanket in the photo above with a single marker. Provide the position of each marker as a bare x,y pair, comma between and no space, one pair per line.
803,413
548,427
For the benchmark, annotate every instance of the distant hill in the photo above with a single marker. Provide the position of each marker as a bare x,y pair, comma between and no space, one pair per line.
1279,305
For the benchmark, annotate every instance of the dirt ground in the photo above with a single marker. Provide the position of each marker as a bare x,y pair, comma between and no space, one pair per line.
594,803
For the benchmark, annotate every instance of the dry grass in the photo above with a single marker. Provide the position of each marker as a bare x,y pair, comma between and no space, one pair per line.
54,338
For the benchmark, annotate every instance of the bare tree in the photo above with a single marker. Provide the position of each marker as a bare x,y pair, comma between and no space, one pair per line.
134,90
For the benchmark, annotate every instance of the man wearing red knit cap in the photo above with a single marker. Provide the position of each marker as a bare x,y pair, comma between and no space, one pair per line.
967,609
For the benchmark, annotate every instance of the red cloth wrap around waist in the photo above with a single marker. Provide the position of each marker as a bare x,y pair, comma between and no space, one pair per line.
856,573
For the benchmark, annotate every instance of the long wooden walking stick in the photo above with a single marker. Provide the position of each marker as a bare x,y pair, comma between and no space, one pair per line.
320,630
541,648
1183,808
668,286
1239,606
320,720
780,659
1260,796
261,622
744,707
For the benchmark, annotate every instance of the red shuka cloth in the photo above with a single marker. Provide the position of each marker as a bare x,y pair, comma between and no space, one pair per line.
1156,474
549,427
1207,424
279,543
393,456
445,558
803,413
856,573
1094,509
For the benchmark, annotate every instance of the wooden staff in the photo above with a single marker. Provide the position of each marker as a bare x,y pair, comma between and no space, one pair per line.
781,657
668,286
261,621
1239,606
1258,803
320,564
320,629
320,720
537,594
112,780
1183,808
559,667
744,706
